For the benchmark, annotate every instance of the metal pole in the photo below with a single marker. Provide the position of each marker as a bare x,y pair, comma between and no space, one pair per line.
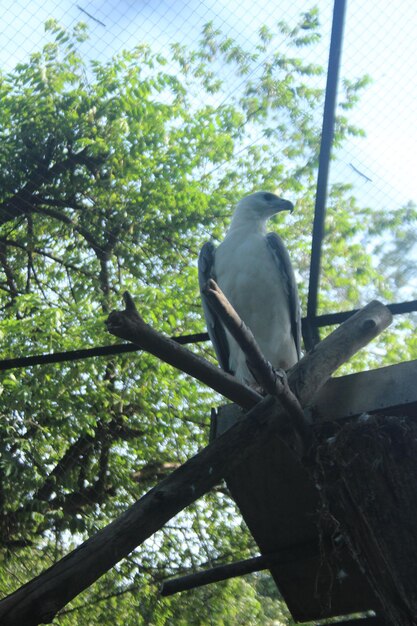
310,330
214,575
240,568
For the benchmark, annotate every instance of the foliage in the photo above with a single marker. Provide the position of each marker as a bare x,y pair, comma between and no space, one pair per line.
112,175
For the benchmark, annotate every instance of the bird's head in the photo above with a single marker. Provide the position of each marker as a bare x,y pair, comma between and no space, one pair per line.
259,207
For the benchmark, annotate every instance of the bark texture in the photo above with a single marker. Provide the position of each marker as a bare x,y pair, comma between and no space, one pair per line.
368,473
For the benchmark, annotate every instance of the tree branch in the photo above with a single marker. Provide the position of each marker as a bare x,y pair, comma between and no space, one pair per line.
62,217
68,461
76,454
10,280
41,252
21,202
128,324
76,501
274,382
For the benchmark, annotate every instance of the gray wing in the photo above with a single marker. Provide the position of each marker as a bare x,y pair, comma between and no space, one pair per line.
215,328
282,258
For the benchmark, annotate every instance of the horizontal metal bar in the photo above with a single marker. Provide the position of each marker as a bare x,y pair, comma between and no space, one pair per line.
213,575
328,319
240,568
88,353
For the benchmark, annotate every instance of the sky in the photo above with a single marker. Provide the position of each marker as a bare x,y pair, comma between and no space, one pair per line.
379,41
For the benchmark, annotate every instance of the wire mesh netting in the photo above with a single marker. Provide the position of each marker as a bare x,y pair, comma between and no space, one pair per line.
115,168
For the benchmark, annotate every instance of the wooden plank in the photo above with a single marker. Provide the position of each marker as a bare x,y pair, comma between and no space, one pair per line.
391,388
362,621
317,588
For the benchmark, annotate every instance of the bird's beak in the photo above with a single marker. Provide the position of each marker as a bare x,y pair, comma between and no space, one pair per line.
285,205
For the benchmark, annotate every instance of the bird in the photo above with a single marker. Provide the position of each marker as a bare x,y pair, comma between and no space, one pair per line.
254,271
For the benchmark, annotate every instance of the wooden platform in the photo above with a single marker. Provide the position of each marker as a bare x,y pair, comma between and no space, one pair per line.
281,506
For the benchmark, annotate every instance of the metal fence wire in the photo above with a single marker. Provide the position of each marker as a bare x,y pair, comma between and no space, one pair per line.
381,185
72,451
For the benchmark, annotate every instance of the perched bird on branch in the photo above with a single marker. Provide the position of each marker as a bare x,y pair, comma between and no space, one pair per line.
254,271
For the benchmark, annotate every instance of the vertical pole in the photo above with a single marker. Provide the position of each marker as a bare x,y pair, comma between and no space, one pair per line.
310,330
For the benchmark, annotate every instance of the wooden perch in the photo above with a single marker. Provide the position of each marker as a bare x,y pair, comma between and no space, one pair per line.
40,599
305,378
316,367
214,575
129,325
273,382
261,368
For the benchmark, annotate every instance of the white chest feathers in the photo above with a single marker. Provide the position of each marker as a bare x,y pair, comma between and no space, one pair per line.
250,276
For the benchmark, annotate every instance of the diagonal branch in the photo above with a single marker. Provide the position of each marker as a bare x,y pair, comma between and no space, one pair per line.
128,324
242,334
62,217
21,202
39,600
274,382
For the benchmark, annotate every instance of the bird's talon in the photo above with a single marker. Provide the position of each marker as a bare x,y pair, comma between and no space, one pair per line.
280,373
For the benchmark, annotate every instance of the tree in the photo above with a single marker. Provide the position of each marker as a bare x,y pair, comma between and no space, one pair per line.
112,176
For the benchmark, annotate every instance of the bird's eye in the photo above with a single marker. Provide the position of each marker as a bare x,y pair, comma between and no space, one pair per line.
269,197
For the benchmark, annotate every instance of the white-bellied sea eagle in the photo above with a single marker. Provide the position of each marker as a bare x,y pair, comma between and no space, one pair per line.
254,271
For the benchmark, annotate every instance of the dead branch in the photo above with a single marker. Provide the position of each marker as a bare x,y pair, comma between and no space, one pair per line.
261,368
316,367
128,324
274,382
